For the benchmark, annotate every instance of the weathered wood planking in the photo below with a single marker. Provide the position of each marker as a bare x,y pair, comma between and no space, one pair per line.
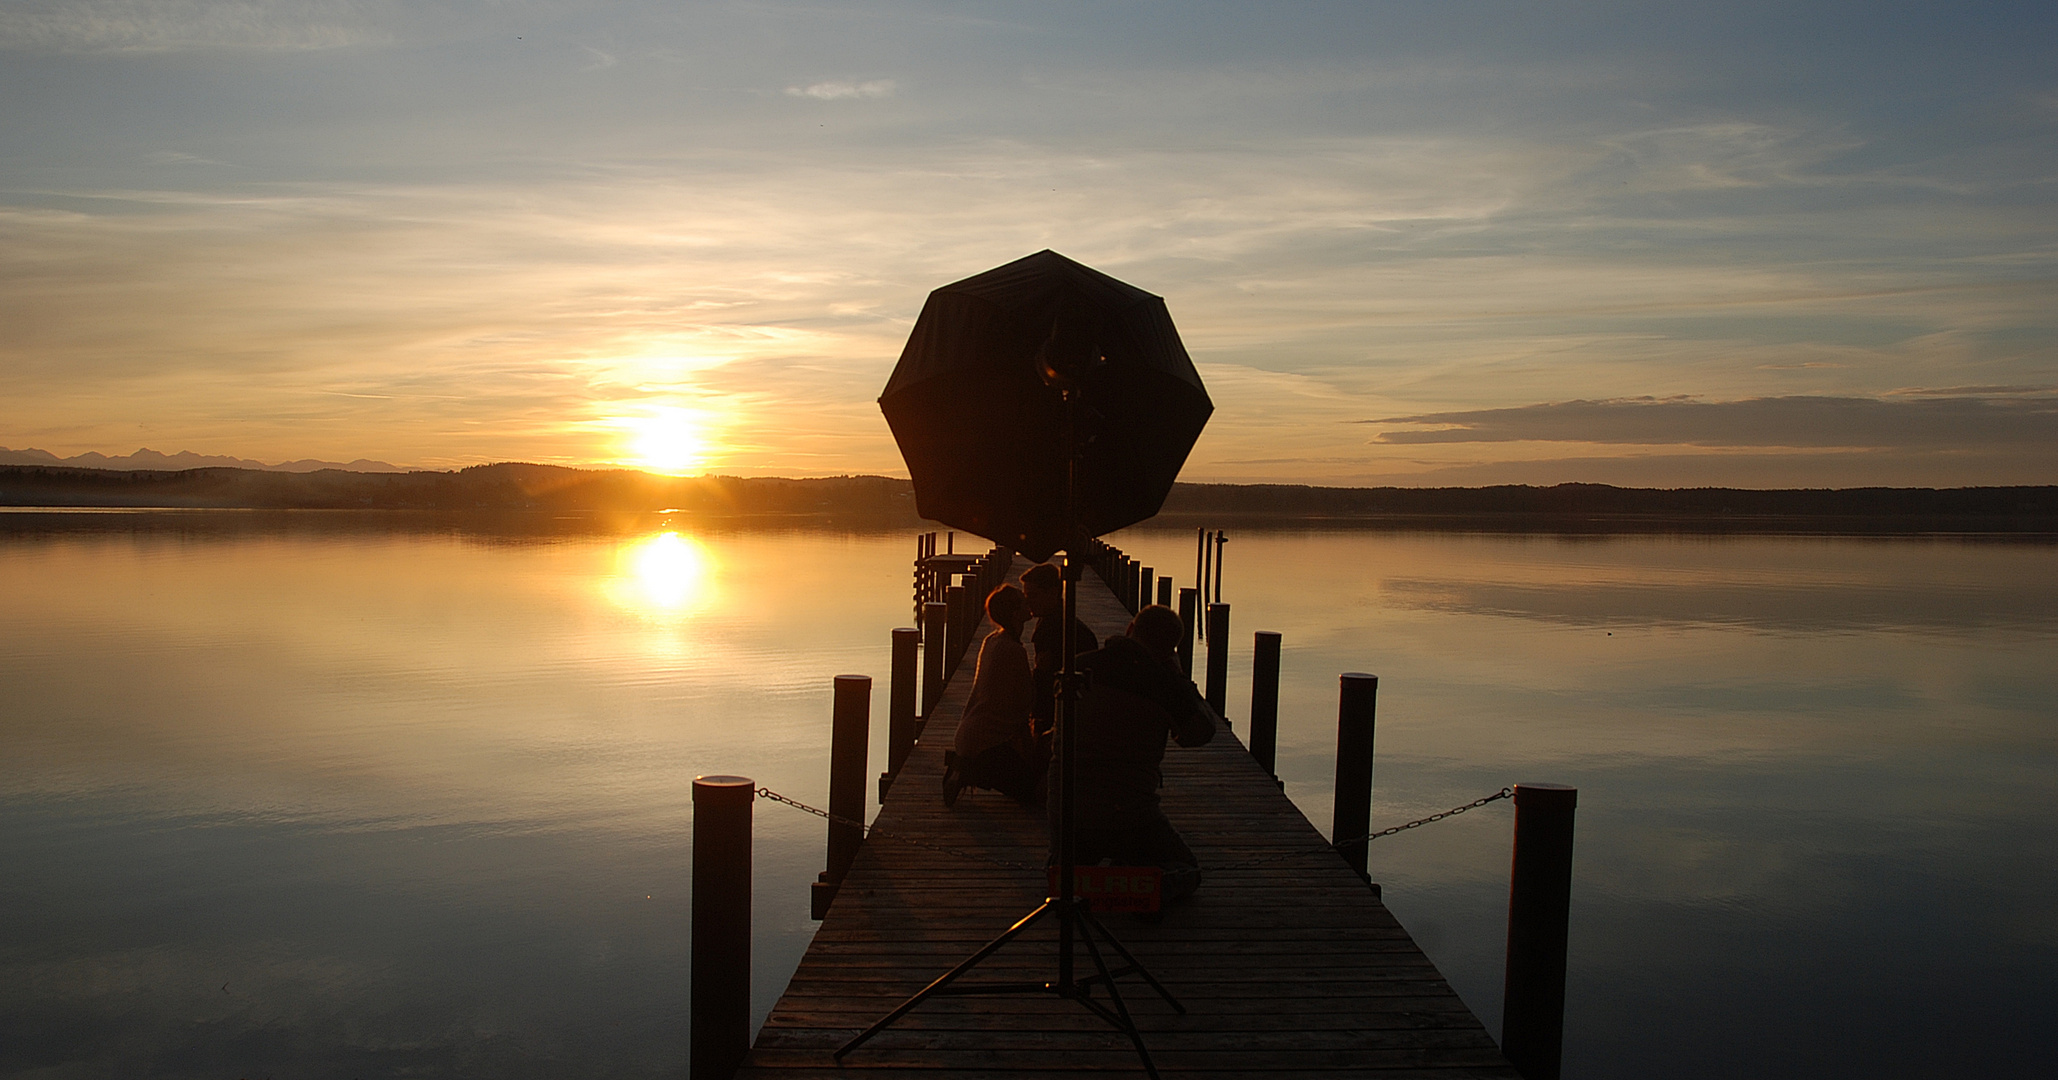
1287,969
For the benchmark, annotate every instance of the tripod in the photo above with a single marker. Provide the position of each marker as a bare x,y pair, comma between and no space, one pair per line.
1075,920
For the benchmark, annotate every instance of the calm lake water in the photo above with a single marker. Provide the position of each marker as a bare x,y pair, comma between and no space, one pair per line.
333,796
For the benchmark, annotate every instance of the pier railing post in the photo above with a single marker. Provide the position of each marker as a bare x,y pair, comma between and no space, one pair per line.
1539,914
1165,591
1219,542
1357,701
1264,732
1218,657
1189,599
900,705
1146,586
720,1031
935,627
954,632
849,736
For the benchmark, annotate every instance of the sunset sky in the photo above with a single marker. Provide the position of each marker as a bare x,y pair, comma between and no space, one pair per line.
1422,243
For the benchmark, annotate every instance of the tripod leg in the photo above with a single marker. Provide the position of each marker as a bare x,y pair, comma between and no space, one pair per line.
1100,965
1115,943
944,980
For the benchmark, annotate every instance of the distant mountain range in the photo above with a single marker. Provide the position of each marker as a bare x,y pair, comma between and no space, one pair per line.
184,459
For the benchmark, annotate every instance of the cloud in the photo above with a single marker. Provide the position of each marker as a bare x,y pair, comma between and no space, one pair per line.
838,91
148,26
2026,422
1974,391
177,157
1748,468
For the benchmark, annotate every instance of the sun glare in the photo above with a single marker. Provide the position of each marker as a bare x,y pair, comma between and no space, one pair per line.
668,441
666,572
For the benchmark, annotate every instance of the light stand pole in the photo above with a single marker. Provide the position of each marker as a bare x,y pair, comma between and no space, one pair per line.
1075,919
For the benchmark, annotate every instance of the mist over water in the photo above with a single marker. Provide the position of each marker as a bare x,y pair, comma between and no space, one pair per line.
298,796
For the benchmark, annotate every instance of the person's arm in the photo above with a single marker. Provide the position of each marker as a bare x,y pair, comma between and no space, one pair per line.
1194,721
1197,724
1083,641
1043,673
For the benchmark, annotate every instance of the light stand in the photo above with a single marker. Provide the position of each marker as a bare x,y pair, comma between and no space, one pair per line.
1075,919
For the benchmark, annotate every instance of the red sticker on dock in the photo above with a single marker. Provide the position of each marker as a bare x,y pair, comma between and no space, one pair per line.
1116,888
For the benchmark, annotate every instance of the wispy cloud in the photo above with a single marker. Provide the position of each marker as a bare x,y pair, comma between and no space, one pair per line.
1984,422
839,91
146,26
177,157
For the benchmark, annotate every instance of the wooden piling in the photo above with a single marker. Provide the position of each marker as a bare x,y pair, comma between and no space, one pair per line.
1264,736
1357,701
1146,586
1189,599
1165,591
1539,913
935,627
720,1022
1221,540
954,634
849,739
1218,657
901,728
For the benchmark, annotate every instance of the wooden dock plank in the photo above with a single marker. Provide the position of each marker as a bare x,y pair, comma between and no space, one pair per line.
1289,968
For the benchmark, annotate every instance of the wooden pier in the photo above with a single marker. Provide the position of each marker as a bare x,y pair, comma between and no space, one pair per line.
1288,968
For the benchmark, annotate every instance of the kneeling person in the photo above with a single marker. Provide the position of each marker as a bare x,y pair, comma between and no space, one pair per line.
995,746
1135,696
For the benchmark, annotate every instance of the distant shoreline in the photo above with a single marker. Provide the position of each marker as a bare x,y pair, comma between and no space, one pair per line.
519,490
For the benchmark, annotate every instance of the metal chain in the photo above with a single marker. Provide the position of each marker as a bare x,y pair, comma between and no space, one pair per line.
866,830
838,819
1504,793
768,793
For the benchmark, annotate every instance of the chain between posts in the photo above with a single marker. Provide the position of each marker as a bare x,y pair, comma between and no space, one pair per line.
838,819
1504,793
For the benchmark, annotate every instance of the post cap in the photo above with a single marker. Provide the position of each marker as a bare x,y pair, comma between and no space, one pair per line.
1350,677
1547,796
724,790
853,680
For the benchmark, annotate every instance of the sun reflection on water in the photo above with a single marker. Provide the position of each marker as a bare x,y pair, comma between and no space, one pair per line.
665,574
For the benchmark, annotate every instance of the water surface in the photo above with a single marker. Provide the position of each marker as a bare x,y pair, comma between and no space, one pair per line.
1813,772
317,796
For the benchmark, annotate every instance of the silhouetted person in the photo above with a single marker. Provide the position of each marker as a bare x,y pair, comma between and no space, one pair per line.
1043,586
996,748
1135,696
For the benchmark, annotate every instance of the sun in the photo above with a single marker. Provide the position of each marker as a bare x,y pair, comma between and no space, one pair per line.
668,441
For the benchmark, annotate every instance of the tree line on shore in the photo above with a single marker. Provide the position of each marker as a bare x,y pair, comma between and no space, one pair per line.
516,487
